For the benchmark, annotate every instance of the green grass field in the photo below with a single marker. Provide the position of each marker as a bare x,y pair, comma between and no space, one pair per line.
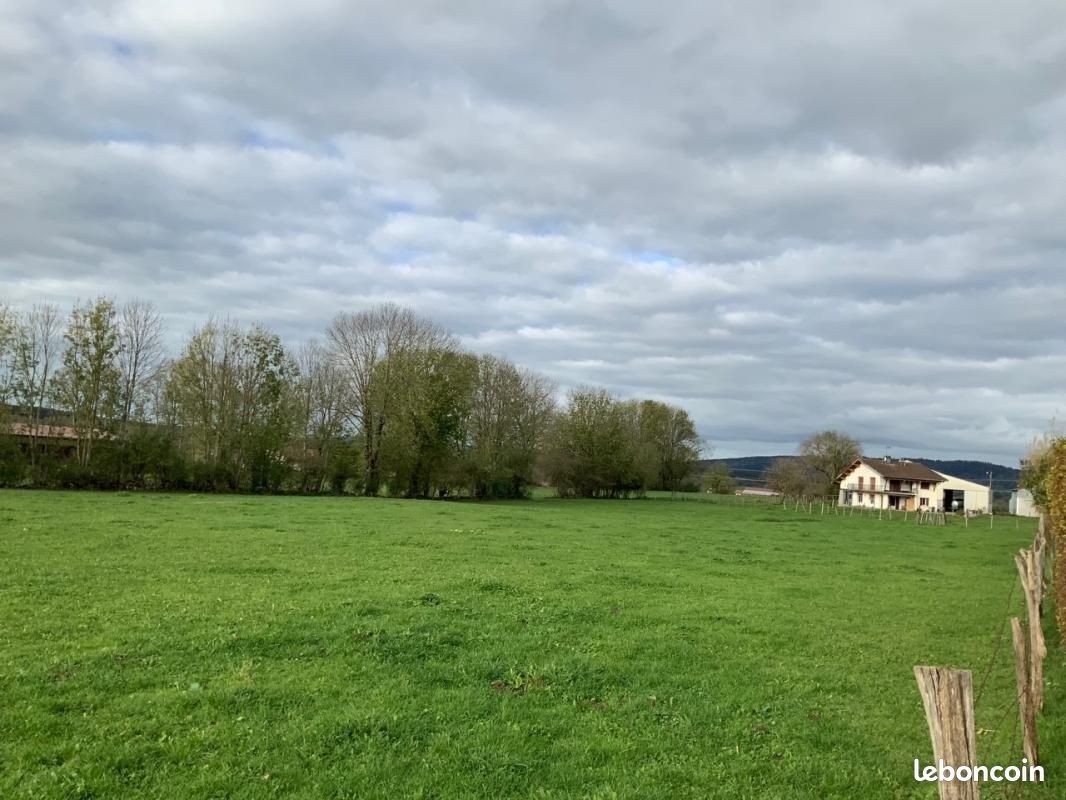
156,646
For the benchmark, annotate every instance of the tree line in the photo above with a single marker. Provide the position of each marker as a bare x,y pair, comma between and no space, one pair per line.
387,402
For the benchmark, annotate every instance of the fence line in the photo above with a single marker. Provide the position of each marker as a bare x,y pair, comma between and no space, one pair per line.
947,694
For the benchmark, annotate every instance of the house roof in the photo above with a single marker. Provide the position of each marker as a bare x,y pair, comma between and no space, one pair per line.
897,470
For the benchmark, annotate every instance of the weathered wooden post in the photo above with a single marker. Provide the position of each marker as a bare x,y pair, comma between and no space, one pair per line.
947,695
1026,704
1032,579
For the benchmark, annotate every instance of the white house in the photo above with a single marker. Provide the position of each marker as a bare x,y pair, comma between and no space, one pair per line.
908,486
879,483
1023,505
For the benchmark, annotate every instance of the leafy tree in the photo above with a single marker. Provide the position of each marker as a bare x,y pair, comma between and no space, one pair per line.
510,415
718,480
595,448
826,455
425,436
668,438
365,345
201,395
234,399
88,384
267,409
1036,468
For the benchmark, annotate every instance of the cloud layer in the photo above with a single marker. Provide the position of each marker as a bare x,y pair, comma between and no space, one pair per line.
782,216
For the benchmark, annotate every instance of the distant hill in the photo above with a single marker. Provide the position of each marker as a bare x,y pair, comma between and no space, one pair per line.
750,470
747,470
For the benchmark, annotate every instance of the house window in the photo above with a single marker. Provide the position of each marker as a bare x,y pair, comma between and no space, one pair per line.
925,485
861,499
873,484
860,482
924,501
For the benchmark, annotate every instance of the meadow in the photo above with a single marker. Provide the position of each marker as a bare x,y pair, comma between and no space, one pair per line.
166,646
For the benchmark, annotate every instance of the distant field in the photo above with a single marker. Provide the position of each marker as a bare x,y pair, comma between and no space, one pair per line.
156,646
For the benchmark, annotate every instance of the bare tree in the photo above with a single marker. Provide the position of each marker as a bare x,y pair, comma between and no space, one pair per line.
140,357
36,347
321,404
792,476
365,346
510,416
827,454
7,337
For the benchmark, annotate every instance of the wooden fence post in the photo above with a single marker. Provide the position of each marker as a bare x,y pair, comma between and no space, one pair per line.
1026,704
947,695
1030,574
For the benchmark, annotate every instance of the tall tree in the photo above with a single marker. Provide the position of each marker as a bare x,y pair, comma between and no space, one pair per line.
267,409
510,416
202,396
7,337
235,398
88,384
595,448
35,351
10,460
826,454
140,358
365,344
669,438
320,404
428,421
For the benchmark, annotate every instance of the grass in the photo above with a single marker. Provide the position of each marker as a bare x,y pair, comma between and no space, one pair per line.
158,646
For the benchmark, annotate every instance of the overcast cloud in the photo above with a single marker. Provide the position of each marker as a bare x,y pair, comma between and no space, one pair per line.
783,216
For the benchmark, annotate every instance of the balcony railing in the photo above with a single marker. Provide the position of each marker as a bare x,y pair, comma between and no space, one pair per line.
905,488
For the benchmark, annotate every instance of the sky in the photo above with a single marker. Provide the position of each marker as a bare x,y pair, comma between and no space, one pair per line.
782,216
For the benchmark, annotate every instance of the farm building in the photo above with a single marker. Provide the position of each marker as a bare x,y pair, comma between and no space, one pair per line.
908,486
968,495
1022,504
757,491
61,440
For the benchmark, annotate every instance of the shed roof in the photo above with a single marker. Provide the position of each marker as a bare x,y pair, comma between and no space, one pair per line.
43,431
